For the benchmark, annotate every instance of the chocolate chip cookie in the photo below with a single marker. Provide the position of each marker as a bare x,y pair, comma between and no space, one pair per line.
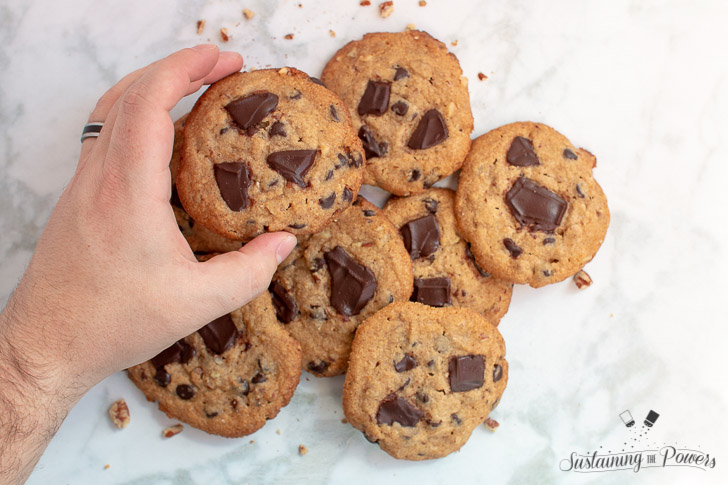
529,205
420,378
410,105
445,272
268,150
230,376
335,279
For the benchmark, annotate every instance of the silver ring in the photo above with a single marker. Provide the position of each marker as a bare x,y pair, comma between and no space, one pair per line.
91,130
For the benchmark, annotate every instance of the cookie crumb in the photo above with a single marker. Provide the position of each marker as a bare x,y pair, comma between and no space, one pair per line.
200,26
332,33
107,466
582,279
252,441
278,431
288,36
491,424
423,3
170,431
454,43
119,413
248,14
410,27
386,9
283,71
344,421
302,450
482,76
365,3
224,34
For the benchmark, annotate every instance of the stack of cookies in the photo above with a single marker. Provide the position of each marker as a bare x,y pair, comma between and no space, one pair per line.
405,300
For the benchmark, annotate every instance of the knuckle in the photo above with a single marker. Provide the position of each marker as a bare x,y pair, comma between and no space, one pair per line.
135,99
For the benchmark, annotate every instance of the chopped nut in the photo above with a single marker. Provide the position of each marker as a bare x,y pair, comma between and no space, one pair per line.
454,43
288,36
365,3
302,450
386,9
224,34
248,14
582,279
491,424
482,76
172,430
283,71
119,413
200,26
332,33
411,27
423,3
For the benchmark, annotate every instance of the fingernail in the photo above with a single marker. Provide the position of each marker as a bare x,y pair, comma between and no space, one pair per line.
285,247
205,47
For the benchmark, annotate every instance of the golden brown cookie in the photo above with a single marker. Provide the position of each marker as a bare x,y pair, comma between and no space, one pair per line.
420,378
529,205
409,102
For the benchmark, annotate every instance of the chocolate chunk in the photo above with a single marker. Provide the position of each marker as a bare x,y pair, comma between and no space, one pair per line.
578,191
470,254
296,96
421,236
329,175
456,419
319,368
432,291
212,414
549,240
569,155
497,372
512,248
431,131
395,409
316,80
347,194
233,180
535,206
285,305
318,263
220,334
352,285
372,147
249,111
224,130
368,213
327,202
258,378
422,397
185,392
244,388
333,112
521,153
293,165
375,99
415,175
174,199
343,161
400,72
179,352
355,160
407,363
297,226
277,129
400,108
431,205
466,372
162,377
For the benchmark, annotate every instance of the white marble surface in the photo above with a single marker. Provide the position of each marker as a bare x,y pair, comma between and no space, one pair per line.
642,84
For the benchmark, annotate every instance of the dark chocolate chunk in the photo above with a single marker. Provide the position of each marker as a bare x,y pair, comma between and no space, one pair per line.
212,414
316,80
347,194
512,248
334,114
400,108
249,111
431,131
233,180
352,285
327,202
535,206
415,175
220,334
521,153
318,263
549,240
368,213
293,165
372,147
244,388
395,409
456,419
343,161
258,378
185,392
286,308
179,352
407,363
569,155
497,372
578,191
375,99
297,225
319,368
329,175
277,129
162,377
356,160
296,96
400,72
470,254
430,205
432,291
466,372
421,236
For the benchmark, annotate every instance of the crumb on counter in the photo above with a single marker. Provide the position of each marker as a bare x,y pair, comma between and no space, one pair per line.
491,424
224,34
200,26
288,36
119,414
423,3
454,43
365,3
344,421
332,33
411,27
248,14
173,430
107,466
582,279
482,76
386,9
278,431
252,441
302,450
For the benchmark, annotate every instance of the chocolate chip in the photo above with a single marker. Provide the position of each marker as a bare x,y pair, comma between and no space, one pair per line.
375,99
285,305
224,130
432,291
395,409
327,202
318,263
421,236
343,161
368,213
355,160
296,96
549,240
407,363
372,147
258,378
431,131
293,165
535,206
333,112
466,372
415,175
352,285
233,180
521,153
319,368
178,352
512,248
244,388
434,424
316,80
174,199
347,195
329,175
250,110
400,108
277,129
297,226
568,154
431,205
399,73
456,419
162,377
185,392
470,254
497,372
578,191
422,397
211,415
220,334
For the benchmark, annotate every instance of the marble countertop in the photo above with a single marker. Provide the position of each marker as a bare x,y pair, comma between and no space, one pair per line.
641,84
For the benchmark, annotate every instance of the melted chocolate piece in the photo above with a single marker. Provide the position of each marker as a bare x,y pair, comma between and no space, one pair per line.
329,175
352,285
466,372
521,153
333,112
285,305
497,372
347,194
432,291
368,213
421,236
569,155
185,392
293,165
375,99
512,248
296,226
549,240
431,131
470,254
372,147
535,206
249,111
258,378
400,108
415,175
319,368
327,202
179,352
431,205
316,80
395,409
400,72
407,363
220,334
277,129
233,180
